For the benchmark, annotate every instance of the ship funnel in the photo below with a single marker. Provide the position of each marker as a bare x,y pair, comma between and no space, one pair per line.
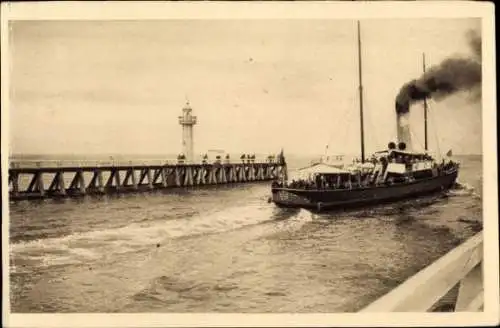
403,126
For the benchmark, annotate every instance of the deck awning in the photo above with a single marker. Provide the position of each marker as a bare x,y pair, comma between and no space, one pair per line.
322,168
361,166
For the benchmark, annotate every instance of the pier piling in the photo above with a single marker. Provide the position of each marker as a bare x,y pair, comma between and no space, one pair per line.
109,178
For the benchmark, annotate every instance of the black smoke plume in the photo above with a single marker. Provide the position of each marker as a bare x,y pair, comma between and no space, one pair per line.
450,76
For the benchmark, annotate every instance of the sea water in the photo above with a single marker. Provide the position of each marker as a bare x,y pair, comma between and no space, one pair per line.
226,249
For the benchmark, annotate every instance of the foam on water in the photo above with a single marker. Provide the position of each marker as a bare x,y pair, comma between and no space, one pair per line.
98,245
463,189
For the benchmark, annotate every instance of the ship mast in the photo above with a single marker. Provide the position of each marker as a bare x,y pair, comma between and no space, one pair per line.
361,97
425,110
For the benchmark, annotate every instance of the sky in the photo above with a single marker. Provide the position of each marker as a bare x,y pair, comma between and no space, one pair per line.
256,86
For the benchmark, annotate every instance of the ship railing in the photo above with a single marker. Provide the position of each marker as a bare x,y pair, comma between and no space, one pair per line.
452,283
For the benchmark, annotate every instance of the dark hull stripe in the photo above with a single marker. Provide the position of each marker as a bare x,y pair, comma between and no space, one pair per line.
323,199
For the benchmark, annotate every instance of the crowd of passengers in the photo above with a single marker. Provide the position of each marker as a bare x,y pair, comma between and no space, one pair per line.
325,182
400,159
409,161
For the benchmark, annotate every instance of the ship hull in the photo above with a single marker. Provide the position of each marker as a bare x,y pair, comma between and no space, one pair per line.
343,198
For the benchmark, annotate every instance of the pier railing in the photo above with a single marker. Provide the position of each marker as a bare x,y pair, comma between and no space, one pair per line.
35,163
88,163
455,281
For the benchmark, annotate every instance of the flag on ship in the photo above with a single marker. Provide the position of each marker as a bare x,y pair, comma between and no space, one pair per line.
281,160
281,157
449,153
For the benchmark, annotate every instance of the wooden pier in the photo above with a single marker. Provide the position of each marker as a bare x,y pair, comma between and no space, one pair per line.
59,181
453,283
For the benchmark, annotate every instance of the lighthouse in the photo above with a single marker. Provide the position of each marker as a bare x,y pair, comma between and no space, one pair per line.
187,120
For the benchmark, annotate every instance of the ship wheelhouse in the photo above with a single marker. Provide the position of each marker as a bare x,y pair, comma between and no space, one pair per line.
401,166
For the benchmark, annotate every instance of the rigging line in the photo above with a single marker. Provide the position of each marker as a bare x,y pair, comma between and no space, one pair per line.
415,137
434,125
347,125
434,128
344,113
347,115
327,148
372,128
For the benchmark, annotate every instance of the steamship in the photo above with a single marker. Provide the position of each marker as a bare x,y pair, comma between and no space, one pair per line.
389,175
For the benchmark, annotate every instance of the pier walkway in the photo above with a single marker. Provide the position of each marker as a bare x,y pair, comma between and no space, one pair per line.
452,283
62,180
